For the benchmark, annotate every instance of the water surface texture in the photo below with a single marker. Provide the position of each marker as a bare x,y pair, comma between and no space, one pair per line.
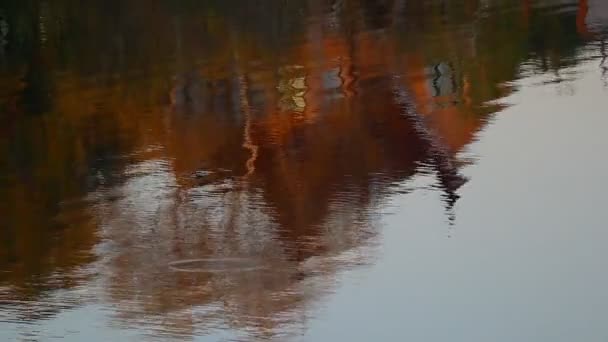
312,170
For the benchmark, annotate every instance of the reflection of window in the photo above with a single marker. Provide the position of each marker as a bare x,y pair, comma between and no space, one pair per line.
331,79
292,88
3,30
442,80
257,88
332,83
299,84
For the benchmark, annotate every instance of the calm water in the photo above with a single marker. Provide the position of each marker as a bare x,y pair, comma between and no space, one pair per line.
313,170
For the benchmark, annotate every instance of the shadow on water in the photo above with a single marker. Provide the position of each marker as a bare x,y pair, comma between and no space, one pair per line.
152,148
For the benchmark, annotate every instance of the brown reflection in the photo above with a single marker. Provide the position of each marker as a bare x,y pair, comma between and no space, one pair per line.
206,133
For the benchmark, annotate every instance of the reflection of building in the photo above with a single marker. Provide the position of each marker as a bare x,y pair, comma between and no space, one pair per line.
331,140
283,158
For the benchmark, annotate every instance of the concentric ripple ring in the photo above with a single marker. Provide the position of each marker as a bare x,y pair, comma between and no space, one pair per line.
216,265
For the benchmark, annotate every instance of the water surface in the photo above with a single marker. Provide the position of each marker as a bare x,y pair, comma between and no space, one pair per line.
303,170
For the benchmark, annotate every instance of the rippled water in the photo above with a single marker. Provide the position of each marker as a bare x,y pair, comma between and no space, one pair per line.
303,170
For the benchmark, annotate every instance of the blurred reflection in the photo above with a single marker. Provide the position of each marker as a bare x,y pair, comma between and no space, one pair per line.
138,134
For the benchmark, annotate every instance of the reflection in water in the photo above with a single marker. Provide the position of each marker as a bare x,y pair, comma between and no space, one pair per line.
138,135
